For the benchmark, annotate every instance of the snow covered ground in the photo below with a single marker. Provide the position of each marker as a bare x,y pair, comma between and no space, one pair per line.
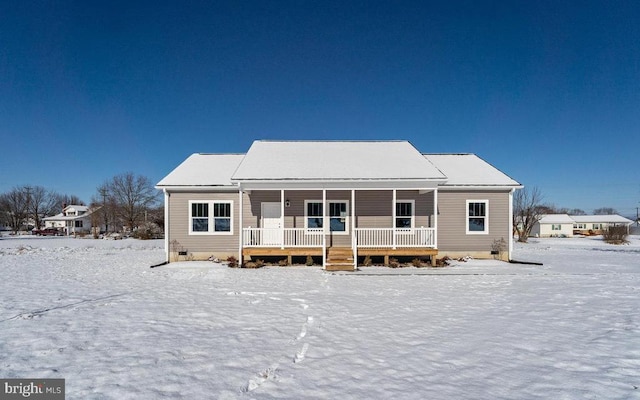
94,313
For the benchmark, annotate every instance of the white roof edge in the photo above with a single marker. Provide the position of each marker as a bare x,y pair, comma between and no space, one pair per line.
194,187
479,186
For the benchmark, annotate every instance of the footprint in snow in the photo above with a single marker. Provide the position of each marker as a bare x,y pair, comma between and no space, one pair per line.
301,353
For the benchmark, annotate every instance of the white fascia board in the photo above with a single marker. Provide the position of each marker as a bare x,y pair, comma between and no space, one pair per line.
202,188
343,185
479,187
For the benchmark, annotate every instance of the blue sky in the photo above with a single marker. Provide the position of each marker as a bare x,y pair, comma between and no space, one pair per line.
548,92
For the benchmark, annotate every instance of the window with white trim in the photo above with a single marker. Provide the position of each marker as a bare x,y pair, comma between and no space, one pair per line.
405,213
338,215
477,217
338,212
556,227
313,215
597,226
210,217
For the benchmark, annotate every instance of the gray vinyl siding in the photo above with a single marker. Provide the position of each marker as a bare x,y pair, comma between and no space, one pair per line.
452,207
179,223
374,209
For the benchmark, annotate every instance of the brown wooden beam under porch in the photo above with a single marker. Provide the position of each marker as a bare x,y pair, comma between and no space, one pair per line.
400,252
289,252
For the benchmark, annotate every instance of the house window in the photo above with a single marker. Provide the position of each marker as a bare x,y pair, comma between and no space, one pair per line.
597,226
338,215
404,214
199,217
313,215
477,216
556,227
222,217
78,224
210,217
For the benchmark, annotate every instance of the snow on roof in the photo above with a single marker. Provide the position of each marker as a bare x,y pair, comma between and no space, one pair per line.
469,170
76,207
556,219
335,160
204,170
617,219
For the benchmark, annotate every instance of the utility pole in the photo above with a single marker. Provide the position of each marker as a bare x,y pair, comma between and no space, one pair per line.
103,192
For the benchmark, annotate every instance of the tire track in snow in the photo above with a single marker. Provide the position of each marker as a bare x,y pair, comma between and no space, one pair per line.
35,313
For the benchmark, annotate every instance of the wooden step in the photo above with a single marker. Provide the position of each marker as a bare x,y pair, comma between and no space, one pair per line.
339,259
339,267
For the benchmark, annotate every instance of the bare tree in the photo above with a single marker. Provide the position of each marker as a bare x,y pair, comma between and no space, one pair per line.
14,208
576,211
69,199
605,211
41,203
133,196
526,211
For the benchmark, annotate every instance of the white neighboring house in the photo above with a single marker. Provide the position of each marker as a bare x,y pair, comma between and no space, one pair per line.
553,225
596,224
72,220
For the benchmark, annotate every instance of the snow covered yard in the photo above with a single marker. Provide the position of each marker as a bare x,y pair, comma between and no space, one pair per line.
94,313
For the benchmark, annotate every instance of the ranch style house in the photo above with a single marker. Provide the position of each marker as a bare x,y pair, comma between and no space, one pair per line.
337,201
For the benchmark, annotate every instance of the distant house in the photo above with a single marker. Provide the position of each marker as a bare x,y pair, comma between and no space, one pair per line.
74,219
336,201
553,225
596,224
563,225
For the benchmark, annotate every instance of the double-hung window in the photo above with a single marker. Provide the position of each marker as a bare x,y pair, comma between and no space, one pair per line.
556,227
404,214
477,217
313,215
338,215
210,217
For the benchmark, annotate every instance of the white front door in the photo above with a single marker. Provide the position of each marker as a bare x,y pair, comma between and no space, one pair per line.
271,224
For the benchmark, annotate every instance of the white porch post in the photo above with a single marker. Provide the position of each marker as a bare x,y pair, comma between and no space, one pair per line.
324,229
354,241
393,220
510,223
282,218
166,224
241,227
435,218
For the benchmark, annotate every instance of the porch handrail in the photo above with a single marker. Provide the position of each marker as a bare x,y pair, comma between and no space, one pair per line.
278,237
395,237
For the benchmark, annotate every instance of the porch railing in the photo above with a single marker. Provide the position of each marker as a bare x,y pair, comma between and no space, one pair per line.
365,237
399,237
277,237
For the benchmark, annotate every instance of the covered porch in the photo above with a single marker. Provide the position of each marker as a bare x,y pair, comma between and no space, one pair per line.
338,224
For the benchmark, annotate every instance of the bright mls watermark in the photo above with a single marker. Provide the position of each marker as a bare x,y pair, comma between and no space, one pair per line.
37,389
